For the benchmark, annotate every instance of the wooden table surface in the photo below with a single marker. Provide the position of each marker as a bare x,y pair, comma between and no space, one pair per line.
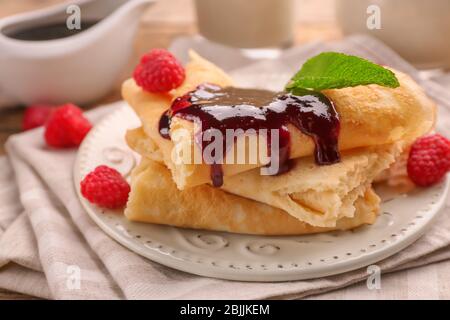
163,22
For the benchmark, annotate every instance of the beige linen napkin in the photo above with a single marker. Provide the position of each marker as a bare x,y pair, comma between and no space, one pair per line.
46,237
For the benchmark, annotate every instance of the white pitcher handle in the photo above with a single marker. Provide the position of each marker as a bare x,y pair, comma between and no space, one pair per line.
5,100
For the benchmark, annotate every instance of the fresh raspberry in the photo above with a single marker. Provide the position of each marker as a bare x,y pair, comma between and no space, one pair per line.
159,71
36,116
429,160
66,127
105,187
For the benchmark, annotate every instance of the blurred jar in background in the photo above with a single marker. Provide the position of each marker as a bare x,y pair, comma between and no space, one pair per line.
419,30
247,24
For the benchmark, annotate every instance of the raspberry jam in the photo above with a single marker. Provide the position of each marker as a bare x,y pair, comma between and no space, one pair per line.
235,108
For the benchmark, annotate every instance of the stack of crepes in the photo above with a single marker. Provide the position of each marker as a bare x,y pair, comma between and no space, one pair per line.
377,123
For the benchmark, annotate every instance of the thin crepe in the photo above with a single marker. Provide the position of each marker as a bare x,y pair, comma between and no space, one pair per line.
370,115
317,195
154,198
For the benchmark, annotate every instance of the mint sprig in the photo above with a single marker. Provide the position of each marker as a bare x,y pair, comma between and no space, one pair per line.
332,70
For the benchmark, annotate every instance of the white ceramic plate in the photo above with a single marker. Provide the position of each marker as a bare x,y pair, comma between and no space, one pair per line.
403,219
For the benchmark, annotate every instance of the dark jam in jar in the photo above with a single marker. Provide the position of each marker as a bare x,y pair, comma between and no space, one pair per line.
236,108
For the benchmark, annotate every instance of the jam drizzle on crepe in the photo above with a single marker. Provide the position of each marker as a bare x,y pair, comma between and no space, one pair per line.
235,108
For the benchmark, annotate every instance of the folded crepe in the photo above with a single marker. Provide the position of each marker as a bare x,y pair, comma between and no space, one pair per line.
369,116
376,124
317,195
154,198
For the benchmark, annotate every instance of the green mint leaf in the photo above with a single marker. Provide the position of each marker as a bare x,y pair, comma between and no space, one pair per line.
332,70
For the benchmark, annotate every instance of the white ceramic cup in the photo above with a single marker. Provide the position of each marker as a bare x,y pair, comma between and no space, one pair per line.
419,30
247,24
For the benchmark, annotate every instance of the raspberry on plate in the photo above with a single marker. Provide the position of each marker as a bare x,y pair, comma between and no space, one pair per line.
36,116
66,127
159,71
429,160
105,187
